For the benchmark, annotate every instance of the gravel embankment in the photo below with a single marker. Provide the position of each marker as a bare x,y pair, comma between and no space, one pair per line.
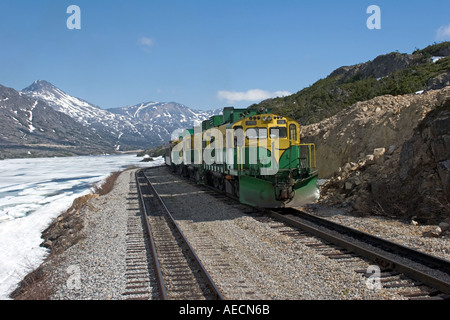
94,268
246,256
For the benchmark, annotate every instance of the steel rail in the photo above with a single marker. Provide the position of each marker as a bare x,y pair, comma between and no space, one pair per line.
159,276
428,269
214,290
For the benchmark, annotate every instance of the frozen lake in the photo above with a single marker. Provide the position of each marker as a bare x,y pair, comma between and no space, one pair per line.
35,191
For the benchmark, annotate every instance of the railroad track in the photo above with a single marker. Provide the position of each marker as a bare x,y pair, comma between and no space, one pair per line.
429,275
180,274
141,283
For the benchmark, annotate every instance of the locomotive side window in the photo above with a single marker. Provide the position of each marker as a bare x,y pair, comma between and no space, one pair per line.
293,132
256,133
281,133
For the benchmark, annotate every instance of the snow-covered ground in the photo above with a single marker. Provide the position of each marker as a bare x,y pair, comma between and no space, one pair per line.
35,191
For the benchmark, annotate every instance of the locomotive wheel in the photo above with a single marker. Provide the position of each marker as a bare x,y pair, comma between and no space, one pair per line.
236,188
197,176
218,183
209,179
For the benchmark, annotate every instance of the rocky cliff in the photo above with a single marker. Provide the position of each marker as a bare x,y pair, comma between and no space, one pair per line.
385,121
389,156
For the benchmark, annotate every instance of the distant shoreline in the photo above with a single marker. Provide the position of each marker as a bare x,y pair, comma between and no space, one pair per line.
66,155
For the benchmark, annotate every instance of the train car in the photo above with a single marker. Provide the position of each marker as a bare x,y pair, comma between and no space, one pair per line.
252,154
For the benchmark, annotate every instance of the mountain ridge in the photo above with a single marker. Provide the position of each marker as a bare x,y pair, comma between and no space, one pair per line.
31,128
393,73
147,124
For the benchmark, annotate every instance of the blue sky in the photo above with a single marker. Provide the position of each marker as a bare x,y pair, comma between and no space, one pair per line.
204,54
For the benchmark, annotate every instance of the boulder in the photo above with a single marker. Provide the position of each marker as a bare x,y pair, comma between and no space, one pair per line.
391,150
378,154
370,159
349,185
444,226
435,233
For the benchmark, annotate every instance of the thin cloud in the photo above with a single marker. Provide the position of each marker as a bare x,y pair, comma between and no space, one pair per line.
443,33
250,95
145,43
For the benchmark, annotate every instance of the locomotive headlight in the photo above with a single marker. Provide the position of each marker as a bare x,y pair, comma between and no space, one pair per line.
269,119
264,118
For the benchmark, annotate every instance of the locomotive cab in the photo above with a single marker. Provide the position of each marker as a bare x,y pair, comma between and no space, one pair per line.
293,178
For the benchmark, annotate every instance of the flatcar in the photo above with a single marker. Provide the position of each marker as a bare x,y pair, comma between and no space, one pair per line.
252,154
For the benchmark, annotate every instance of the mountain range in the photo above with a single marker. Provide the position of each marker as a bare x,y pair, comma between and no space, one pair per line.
65,125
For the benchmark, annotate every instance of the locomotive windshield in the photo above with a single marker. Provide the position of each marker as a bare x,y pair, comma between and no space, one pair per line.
278,132
256,133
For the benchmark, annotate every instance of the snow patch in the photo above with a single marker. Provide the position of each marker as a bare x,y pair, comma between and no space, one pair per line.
30,118
436,59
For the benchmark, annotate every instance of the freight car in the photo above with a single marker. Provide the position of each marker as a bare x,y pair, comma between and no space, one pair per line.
252,154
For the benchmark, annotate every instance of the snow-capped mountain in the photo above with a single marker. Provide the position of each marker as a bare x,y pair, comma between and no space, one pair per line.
30,127
165,113
103,121
143,125
160,119
78,109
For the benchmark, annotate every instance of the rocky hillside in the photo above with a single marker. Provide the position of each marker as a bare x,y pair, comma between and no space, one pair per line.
29,127
385,121
390,74
389,156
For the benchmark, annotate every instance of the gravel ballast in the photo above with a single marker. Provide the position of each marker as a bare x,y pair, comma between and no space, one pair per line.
94,268
246,256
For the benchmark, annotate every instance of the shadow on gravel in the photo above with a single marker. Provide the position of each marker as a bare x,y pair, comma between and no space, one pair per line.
188,200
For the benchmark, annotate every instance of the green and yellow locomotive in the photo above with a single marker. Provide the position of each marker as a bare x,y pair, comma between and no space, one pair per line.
252,154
